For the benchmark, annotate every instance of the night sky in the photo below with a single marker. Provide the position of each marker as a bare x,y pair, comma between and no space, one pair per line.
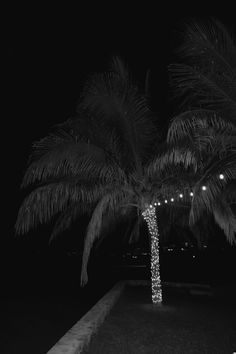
48,57
49,54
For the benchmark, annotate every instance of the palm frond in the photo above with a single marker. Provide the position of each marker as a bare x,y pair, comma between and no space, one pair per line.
230,193
71,160
208,41
113,218
118,67
173,158
204,200
47,201
190,121
208,77
68,216
198,88
76,145
203,229
134,231
116,102
107,204
225,218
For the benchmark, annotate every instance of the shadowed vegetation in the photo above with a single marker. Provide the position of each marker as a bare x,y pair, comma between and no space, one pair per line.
109,162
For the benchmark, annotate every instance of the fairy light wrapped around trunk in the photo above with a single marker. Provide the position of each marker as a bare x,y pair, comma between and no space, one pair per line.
149,216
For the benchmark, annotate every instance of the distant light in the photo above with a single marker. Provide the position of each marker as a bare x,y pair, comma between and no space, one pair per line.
159,203
172,199
191,194
221,176
194,256
181,195
151,206
166,201
204,188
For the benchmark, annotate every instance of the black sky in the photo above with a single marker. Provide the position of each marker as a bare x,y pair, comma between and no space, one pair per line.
48,58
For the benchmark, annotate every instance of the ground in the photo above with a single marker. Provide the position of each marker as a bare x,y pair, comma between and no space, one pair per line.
184,324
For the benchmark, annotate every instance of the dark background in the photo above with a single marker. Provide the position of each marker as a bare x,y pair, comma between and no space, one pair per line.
49,53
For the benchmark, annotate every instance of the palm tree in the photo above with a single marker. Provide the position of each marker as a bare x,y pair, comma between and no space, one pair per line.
206,83
107,161
206,77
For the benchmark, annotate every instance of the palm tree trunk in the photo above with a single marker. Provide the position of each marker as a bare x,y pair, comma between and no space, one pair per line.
149,216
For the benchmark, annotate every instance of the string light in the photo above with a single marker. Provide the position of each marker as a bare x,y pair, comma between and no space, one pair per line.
149,216
181,195
204,188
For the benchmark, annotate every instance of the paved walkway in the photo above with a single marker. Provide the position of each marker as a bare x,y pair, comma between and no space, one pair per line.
184,324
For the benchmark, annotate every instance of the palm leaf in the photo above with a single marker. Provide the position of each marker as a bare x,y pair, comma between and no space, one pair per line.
207,41
225,218
187,122
116,103
208,77
134,230
47,201
67,217
204,200
198,88
58,157
181,156
108,203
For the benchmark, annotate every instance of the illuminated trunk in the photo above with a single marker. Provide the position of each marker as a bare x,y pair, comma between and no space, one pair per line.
149,216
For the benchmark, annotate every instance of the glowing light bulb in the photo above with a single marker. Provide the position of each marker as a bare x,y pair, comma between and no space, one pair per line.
155,204
181,195
221,176
204,188
159,203
191,194
166,201
172,199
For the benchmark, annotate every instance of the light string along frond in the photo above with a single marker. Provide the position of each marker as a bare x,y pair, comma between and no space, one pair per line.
149,215
180,196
